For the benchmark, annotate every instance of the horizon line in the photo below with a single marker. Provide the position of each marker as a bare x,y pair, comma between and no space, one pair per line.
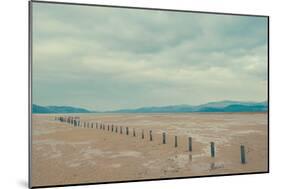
151,106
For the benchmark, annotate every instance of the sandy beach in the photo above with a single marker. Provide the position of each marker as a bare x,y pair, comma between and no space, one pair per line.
64,154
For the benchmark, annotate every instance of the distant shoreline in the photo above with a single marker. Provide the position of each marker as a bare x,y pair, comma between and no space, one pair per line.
220,106
112,113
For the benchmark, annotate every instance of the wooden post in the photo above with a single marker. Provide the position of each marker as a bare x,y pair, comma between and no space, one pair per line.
112,128
212,149
176,141
127,131
88,125
100,126
142,134
190,144
121,130
84,124
92,124
103,127
116,129
164,138
134,132
150,135
242,154
108,127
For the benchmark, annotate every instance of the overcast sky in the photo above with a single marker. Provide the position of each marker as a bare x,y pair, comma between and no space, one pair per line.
112,58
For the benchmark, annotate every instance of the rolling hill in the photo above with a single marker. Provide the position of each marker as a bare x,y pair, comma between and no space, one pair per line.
219,106
36,109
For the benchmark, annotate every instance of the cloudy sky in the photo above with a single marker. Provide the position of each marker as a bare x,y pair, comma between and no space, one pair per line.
111,58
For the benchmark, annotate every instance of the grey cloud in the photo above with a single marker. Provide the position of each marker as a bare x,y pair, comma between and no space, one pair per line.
104,58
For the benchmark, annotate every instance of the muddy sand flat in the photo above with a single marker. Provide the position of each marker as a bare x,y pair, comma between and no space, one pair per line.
63,154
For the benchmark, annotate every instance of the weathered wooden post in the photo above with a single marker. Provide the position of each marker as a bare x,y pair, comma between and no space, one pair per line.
92,124
84,124
134,132
190,144
116,129
103,127
79,123
142,134
176,141
88,125
150,135
75,123
242,154
127,131
121,130
112,128
108,127
164,138
212,149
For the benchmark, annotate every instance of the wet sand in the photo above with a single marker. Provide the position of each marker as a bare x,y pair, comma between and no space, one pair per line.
63,154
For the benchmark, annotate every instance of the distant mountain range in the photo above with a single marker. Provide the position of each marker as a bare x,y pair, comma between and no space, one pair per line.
36,109
220,106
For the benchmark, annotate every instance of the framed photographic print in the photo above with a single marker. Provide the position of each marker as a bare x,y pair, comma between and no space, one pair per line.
122,94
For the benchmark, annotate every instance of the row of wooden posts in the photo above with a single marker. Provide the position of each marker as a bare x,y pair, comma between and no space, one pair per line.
75,121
